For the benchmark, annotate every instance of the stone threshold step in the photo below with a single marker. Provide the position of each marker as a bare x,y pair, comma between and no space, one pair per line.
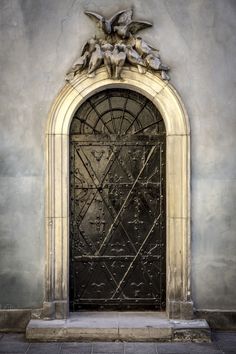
121,326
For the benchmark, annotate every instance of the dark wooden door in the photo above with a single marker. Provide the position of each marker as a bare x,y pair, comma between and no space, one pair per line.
117,212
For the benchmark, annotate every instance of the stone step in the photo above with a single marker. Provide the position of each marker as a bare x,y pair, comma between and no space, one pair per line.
121,326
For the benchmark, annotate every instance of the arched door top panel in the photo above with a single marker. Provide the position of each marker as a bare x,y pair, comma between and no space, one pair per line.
119,112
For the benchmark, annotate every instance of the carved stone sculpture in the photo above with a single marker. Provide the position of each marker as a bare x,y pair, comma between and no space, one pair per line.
96,59
107,26
127,27
118,46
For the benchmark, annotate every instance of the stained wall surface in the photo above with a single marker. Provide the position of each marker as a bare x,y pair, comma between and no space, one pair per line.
40,40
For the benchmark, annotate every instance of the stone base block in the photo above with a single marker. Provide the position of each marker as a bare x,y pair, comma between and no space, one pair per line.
180,309
55,310
111,326
191,331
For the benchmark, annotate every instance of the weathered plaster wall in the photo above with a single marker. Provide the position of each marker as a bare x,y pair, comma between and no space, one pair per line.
40,39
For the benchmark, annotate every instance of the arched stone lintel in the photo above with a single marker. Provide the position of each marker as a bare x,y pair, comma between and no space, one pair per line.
168,102
161,93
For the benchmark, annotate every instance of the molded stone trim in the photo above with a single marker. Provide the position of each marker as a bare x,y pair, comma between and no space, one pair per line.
168,102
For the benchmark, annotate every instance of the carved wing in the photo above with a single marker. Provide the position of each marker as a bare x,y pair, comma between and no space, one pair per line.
94,16
121,17
154,49
85,48
135,26
125,17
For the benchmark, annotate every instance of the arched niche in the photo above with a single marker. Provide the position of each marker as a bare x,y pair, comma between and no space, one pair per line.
169,104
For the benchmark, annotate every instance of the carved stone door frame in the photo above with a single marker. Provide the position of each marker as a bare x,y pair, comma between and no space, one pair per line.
169,104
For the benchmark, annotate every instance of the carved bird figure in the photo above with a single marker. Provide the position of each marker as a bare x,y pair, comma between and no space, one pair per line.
89,45
154,62
127,27
118,59
165,76
107,50
143,48
83,61
106,25
95,60
80,64
87,50
134,58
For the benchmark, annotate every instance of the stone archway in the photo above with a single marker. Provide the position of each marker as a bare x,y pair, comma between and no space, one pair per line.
169,104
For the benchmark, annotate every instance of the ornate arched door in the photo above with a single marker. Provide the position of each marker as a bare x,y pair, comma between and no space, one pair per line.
117,203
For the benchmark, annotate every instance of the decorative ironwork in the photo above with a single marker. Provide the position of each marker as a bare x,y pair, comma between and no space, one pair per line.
117,190
118,46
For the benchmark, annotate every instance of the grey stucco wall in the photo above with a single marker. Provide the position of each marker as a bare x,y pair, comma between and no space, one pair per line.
39,40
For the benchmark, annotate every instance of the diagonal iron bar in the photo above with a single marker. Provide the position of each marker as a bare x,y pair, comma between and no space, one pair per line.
107,238
136,256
